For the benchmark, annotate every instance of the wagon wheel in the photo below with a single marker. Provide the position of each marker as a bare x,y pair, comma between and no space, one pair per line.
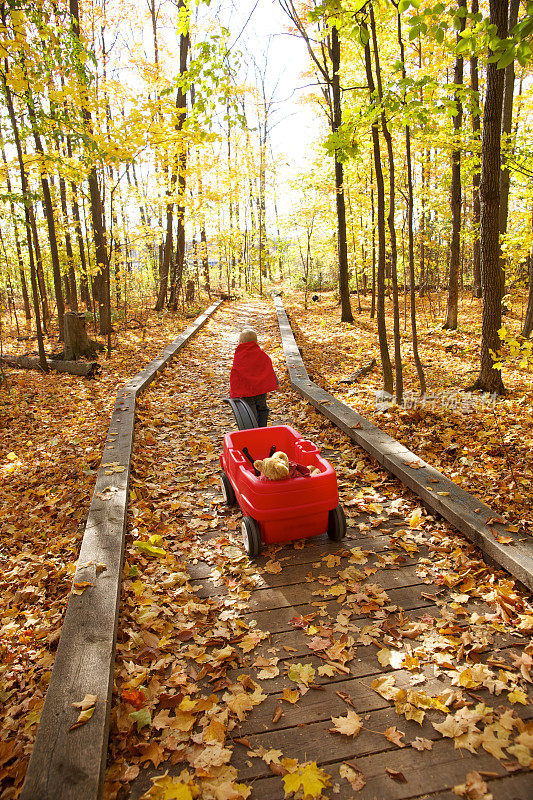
337,524
227,490
251,536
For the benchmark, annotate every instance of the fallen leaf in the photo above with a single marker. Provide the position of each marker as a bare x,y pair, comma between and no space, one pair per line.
422,744
87,706
350,725
396,775
394,736
353,775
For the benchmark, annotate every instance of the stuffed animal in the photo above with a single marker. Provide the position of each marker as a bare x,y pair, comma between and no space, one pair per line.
274,468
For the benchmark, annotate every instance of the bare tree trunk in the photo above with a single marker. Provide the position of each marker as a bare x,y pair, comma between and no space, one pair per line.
490,379
68,247
455,189
359,309
20,260
50,221
507,124
97,216
476,128
178,175
410,208
392,229
386,365
528,321
84,283
344,282
28,210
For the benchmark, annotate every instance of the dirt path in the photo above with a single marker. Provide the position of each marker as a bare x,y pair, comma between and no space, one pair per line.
321,667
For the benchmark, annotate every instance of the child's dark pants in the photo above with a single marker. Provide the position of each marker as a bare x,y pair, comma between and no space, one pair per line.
258,404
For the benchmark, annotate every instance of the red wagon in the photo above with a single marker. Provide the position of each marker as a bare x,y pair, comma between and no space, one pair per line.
279,511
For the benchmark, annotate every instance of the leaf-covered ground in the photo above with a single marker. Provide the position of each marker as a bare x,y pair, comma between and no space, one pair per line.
52,430
394,664
487,448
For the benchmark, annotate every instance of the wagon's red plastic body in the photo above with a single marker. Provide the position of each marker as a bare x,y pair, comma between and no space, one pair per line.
292,508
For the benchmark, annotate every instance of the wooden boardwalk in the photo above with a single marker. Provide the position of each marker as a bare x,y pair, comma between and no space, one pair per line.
398,602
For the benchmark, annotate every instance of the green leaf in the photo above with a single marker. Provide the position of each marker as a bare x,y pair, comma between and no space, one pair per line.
507,58
142,717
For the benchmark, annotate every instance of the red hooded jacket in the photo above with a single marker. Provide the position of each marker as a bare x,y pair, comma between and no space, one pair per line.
252,372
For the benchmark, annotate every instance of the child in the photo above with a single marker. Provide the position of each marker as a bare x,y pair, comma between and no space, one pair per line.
252,375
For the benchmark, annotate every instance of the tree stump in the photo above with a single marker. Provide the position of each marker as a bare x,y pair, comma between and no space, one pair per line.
77,342
189,292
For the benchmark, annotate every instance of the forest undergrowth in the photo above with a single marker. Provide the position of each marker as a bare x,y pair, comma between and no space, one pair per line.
52,431
485,446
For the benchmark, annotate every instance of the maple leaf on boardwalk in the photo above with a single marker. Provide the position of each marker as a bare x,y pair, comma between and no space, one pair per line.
422,744
523,662
306,777
474,788
301,673
166,787
350,725
395,736
291,695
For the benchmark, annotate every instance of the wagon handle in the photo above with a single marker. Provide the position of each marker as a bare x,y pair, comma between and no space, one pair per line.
250,459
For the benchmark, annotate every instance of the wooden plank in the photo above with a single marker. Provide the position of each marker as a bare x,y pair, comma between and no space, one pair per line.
70,764
458,507
315,742
296,585
277,619
426,773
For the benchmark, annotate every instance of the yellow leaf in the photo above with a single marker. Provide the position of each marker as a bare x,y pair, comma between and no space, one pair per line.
414,519
350,725
291,695
80,586
302,673
518,696
87,706
173,789
308,777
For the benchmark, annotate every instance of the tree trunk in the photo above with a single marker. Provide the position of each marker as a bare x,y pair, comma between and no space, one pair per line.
71,274
410,233
344,282
507,124
380,304
178,175
39,269
87,369
97,216
528,321
455,189
476,128
373,224
50,221
28,212
20,260
490,379
392,229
